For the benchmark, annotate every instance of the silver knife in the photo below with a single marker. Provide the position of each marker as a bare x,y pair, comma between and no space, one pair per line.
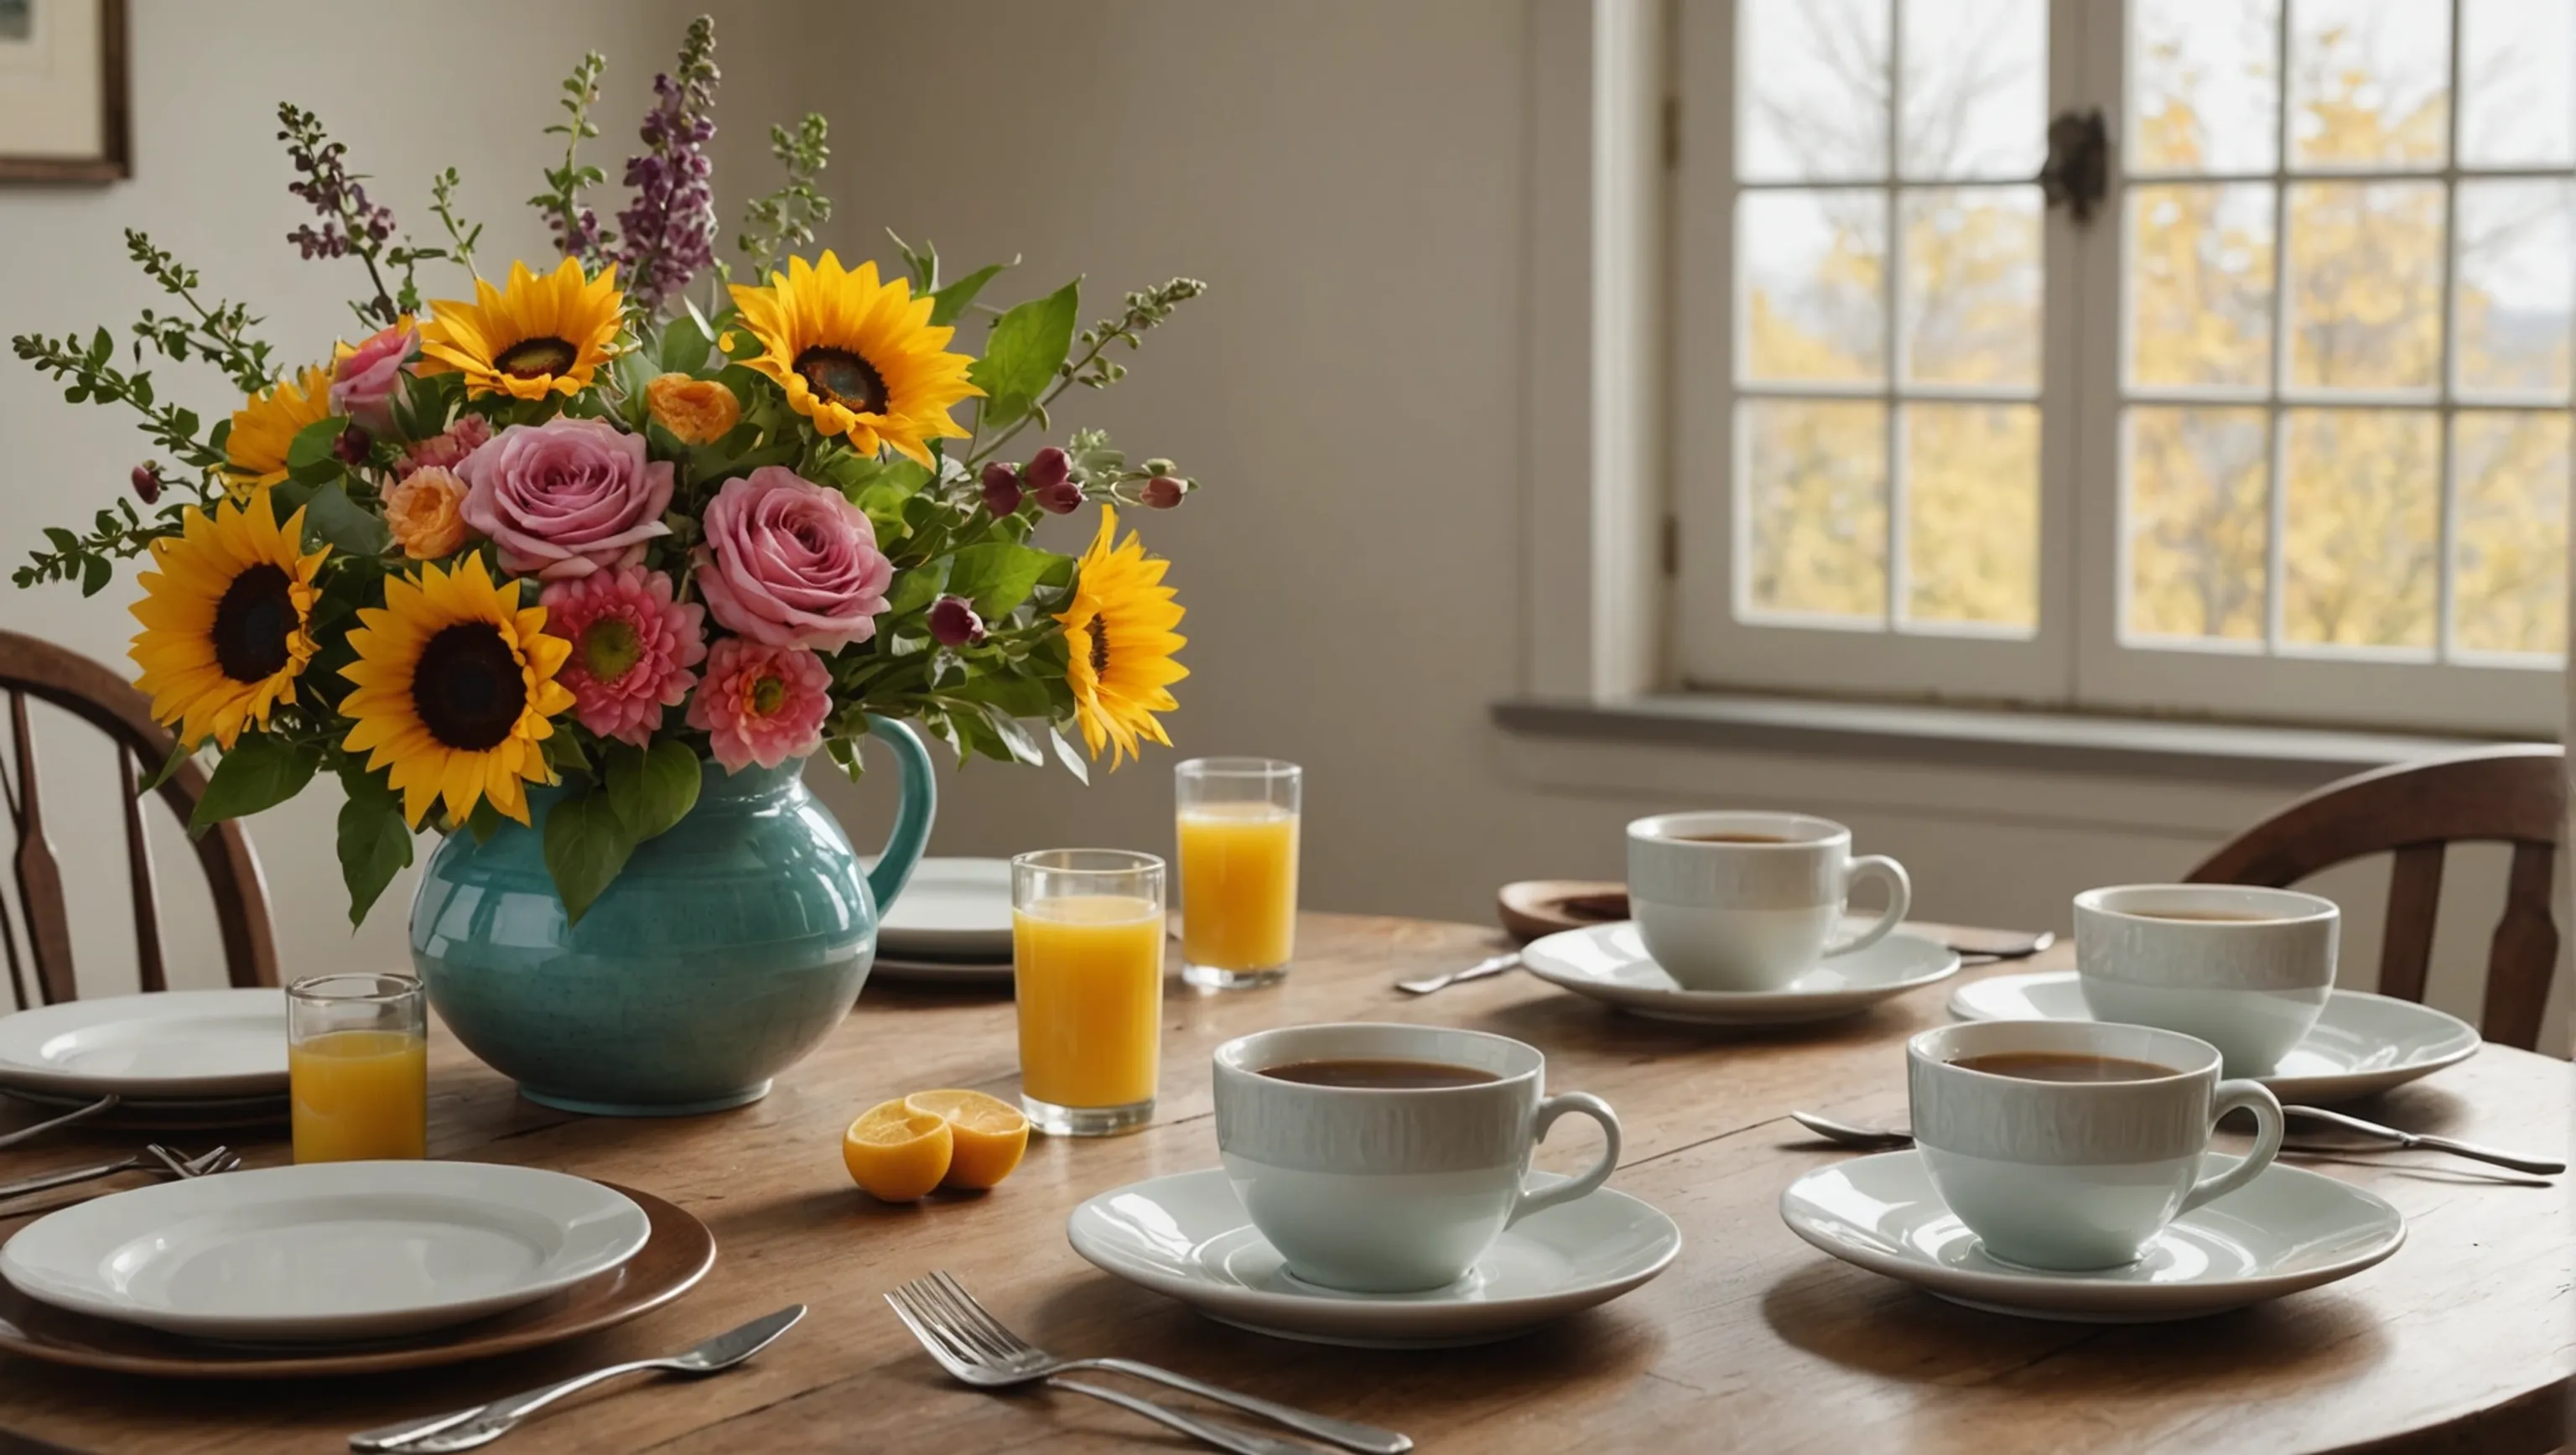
466,1428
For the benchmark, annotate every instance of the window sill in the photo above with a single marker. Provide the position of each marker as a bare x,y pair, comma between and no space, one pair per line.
1975,737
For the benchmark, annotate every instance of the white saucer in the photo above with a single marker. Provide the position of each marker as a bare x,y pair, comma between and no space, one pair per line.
1186,1236
2362,1044
951,909
326,1251
169,1045
1609,963
2286,1230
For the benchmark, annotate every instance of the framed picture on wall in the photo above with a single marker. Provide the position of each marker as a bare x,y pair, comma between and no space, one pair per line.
63,109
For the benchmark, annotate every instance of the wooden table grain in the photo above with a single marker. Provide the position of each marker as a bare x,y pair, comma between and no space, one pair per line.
2465,1340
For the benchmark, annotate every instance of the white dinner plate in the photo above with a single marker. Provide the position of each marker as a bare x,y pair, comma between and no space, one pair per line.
168,1045
1609,963
2287,1230
325,1251
2361,1044
1186,1235
951,909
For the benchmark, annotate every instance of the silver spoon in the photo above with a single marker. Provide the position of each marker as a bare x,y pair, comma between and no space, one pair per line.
1508,960
1852,1135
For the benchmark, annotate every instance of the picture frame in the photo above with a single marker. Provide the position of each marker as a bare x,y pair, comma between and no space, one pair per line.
65,107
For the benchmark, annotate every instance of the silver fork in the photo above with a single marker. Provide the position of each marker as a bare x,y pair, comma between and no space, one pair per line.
980,1350
155,1159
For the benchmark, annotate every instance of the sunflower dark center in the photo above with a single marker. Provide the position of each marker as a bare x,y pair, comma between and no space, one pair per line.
843,378
252,623
536,358
468,689
1099,648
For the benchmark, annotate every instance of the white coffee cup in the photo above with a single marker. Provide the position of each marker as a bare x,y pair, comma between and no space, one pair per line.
1383,1190
1753,912
2247,970
2075,1174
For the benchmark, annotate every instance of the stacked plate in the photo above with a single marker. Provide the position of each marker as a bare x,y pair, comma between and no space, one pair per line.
950,926
179,1058
340,1267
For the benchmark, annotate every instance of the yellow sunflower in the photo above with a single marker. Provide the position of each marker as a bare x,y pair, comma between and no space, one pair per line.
1120,630
227,620
541,334
454,684
267,423
857,357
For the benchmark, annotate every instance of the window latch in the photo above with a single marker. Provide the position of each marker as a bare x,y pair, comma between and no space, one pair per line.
2078,170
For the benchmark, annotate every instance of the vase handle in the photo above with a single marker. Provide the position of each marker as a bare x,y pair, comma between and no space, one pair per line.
912,817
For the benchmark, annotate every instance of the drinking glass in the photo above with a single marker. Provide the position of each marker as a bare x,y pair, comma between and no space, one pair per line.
357,1057
1087,962
1237,826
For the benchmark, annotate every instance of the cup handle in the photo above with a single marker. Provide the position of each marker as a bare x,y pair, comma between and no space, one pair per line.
1900,898
1548,1111
2254,1096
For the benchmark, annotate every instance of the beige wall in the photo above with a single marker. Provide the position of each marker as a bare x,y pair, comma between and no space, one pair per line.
1351,178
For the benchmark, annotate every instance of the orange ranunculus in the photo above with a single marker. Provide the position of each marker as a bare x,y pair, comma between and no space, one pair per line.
699,411
425,514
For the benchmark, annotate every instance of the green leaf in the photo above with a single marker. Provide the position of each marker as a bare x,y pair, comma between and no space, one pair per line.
918,586
1027,348
313,457
64,541
1069,755
95,573
686,344
375,843
484,821
346,524
1011,693
997,575
587,843
952,300
564,753
179,754
1022,743
652,788
257,772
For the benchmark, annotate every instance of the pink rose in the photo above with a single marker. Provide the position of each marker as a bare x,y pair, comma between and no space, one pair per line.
761,704
364,380
791,564
446,451
567,497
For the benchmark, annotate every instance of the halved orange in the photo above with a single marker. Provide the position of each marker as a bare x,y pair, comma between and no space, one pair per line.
990,1134
896,1153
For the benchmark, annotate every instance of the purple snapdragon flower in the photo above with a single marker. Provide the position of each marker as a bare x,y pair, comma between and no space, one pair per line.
671,226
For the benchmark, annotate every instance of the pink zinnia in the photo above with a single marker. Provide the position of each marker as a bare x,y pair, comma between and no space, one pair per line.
632,648
761,704
446,451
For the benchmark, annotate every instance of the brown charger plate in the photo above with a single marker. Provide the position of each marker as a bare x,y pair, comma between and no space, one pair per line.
676,1255
153,1115
1534,907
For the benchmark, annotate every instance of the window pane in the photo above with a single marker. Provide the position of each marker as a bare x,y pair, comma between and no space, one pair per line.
2509,533
2204,88
2364,519
1816,495
2198,522
1815,84
2370,82
1976,88
2200,285
1972,514
2517,70
2365,304
2517,298
1814,286
1972,285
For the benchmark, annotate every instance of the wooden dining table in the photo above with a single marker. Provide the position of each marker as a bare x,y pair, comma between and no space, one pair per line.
2465,1340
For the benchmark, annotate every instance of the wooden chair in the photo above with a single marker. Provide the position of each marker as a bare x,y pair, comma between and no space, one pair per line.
2515,794
33,668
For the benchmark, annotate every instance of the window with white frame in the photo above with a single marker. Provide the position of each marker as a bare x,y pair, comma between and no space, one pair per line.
2281,431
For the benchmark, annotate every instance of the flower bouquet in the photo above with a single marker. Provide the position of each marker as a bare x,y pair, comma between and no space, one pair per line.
588,528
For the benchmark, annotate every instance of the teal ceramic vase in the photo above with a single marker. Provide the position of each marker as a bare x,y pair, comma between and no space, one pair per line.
726,949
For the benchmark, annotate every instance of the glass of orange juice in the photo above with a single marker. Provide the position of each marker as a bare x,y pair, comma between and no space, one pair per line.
1087,964
357,1067
1238,841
